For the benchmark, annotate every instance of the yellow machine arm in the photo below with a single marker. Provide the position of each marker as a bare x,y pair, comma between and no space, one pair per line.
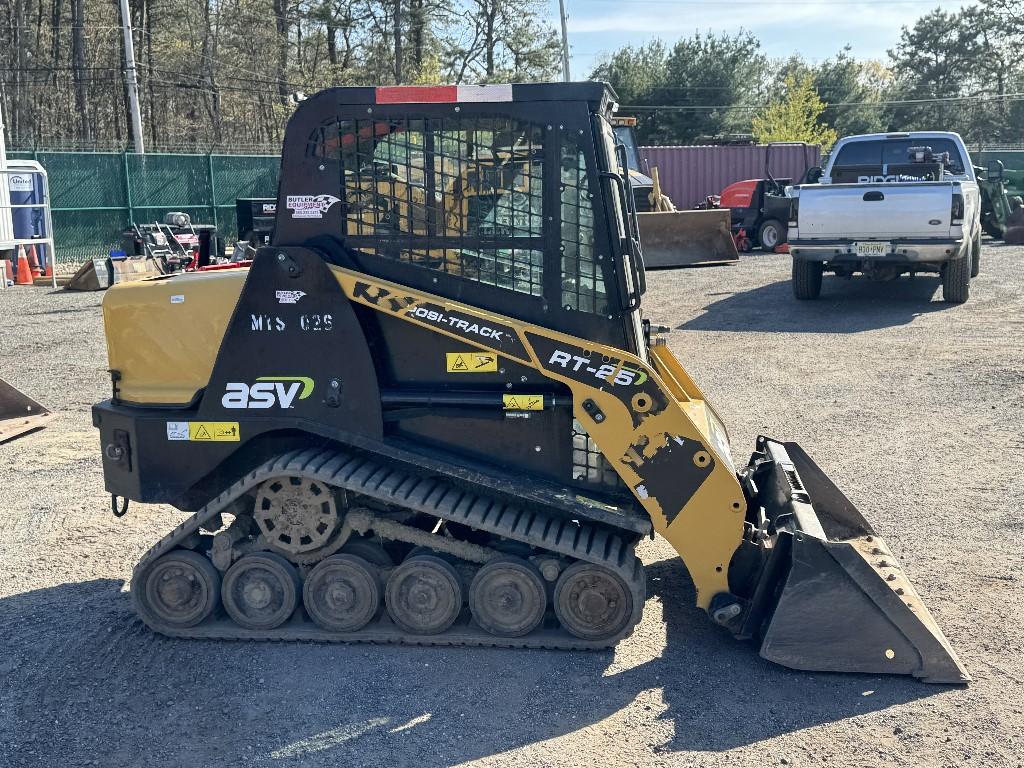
649,419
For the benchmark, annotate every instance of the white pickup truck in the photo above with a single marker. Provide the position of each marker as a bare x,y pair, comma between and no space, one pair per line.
886,204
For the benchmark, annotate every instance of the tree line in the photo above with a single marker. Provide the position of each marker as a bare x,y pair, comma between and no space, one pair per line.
221,74
950,70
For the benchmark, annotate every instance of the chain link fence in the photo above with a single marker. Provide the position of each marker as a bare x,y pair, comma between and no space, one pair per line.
94,196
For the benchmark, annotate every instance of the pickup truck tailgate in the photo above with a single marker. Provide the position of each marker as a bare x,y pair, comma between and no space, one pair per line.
898,209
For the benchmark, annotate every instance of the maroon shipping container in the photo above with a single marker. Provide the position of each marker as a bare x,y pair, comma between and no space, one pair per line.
689,174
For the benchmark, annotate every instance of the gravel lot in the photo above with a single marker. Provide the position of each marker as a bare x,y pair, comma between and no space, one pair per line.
915,407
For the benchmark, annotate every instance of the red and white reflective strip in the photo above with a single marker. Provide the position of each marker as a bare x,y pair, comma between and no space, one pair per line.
442,94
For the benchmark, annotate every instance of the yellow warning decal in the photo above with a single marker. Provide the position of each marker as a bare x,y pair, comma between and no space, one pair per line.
523,402
203,431
471,362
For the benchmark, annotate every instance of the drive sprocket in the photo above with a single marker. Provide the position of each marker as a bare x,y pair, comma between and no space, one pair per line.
298,517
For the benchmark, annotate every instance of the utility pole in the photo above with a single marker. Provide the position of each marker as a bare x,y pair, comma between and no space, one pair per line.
565,41
132,79
398,42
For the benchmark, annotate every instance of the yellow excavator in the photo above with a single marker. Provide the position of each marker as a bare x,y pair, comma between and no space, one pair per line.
432,412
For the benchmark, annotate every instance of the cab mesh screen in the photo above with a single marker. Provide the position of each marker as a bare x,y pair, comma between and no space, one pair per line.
462,196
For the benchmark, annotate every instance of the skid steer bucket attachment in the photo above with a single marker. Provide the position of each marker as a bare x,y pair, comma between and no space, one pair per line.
686,238
19,414
830,595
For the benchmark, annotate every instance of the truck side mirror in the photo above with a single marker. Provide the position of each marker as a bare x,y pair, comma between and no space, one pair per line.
814,175
994,172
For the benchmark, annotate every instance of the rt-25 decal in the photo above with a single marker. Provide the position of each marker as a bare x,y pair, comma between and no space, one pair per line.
623,376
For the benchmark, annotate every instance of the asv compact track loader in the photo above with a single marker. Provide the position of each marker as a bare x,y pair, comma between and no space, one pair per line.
431,412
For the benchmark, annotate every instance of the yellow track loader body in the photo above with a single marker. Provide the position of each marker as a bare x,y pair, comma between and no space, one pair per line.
448,422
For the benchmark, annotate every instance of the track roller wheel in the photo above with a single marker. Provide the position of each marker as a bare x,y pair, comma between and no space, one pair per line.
371,551
342,593
260,591
507,597
424,595
180,589
592,602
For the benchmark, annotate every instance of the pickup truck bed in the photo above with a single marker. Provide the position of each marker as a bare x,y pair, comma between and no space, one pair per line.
887,218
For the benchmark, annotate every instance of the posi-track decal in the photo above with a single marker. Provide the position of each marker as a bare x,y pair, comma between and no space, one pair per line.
461,324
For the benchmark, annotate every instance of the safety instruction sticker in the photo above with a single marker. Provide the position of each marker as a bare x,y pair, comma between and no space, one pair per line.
523,402
203,431
471,362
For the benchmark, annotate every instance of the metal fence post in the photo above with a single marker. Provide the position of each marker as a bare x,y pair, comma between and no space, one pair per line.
213,187
128,189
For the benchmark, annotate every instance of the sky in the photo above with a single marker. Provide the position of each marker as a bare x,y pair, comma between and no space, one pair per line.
816,29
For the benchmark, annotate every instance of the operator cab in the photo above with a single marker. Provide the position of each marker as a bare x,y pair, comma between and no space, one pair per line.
509,196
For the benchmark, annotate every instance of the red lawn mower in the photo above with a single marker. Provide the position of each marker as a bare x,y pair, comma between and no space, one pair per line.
760,207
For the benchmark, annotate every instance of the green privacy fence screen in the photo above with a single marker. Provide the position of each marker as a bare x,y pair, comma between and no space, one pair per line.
94,196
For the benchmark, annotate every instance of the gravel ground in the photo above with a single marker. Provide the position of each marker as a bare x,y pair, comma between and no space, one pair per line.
915,407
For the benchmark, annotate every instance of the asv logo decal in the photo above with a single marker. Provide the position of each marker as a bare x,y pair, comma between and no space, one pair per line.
623,375
269,391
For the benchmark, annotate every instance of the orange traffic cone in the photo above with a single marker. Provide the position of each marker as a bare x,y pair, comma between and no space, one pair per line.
33,262
6,271
24,276
48,272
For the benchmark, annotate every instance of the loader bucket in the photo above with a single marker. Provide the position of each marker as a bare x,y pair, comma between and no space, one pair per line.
831,596
686,238
19,414
100,273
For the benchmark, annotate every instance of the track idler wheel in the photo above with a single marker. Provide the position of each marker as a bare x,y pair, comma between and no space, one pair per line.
424,595
592,602
180,589
508,597
342,593
260,591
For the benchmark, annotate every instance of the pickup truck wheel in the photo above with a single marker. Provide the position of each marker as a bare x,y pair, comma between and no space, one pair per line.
807,278
956,279
976,255
770,234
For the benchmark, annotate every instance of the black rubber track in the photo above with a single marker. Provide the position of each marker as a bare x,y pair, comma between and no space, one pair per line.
373,478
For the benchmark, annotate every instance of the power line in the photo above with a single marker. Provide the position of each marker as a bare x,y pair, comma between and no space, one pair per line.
819,3
1014,97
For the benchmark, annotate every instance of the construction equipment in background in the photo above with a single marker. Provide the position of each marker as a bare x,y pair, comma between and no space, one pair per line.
151,250
671,238
254,217
995,198
1013,232
101,272
20,415
176,243
432,412
760,207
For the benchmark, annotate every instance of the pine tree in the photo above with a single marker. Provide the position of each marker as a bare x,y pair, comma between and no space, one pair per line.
796,116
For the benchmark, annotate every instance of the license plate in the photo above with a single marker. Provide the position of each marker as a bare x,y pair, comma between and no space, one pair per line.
870,249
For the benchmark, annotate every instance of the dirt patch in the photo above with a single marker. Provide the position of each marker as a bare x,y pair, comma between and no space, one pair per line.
913,406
